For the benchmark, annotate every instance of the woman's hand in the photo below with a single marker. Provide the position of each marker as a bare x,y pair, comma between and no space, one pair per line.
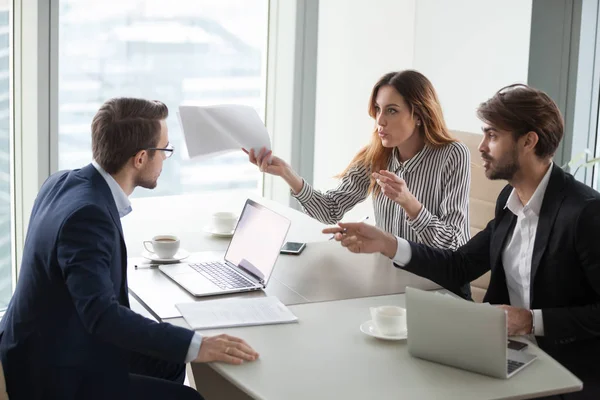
394,187
267,162
276,167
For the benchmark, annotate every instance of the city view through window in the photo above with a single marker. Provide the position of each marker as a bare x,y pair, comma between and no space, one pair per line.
201,52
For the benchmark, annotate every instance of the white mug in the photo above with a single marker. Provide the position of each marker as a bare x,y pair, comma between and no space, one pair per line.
164,246
223,222
389,320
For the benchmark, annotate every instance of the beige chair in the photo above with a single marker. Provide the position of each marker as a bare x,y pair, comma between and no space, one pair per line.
482,201
3,394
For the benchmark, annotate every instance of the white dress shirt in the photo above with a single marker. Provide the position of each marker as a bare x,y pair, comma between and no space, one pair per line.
518,252
124,207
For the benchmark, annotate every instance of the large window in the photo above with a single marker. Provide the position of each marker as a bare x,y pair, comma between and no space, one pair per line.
6,204
180,52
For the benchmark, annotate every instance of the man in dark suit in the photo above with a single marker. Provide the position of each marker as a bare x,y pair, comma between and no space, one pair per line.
542,246
68,332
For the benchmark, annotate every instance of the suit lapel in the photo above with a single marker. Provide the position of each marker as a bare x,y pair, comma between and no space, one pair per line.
506,225
107,196
497,292
116,219
124,296
112,208
553,199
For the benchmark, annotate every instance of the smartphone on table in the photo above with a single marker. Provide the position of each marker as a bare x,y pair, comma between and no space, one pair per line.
515,345
294,248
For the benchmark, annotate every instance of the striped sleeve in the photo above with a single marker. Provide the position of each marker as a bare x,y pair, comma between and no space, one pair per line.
450,228
330,207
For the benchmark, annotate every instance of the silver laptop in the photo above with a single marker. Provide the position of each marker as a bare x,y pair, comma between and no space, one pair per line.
248,262
462,334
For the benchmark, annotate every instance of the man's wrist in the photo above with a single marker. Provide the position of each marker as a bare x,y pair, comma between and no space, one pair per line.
390,245
194,349
532,325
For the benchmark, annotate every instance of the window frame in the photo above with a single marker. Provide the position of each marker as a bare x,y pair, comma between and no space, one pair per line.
11,146
31,118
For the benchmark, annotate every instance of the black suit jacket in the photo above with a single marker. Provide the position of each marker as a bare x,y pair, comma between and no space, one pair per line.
565,270
68,330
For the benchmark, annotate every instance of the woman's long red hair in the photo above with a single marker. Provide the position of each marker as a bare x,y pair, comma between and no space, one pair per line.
422,100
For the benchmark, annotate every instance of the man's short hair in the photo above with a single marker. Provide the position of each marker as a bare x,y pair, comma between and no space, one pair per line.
124,126
520,109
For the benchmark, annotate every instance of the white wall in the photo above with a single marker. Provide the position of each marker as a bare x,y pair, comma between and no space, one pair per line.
359,41
469,49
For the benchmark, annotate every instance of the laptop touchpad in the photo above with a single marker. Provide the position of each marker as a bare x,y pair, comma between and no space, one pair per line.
176,269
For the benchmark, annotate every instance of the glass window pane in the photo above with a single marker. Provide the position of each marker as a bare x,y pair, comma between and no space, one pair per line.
180,52
6,204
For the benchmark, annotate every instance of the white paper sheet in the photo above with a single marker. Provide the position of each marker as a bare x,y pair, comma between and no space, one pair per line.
212,130
235,312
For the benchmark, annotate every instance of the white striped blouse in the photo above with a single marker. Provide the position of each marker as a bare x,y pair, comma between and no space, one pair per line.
438,177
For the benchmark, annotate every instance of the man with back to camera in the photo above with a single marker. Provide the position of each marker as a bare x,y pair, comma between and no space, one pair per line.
542,246
68,332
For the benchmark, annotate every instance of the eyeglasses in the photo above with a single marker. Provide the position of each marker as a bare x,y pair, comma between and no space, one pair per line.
169,149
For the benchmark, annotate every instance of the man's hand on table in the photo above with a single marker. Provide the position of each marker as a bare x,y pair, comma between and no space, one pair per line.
225,348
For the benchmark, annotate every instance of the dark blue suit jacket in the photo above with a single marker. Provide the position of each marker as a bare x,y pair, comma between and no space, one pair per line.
565,272
68,331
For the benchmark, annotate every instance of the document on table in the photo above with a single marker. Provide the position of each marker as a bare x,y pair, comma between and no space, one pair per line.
212,130
235,312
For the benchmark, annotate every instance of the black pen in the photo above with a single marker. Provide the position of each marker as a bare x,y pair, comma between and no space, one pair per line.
344,231
144,266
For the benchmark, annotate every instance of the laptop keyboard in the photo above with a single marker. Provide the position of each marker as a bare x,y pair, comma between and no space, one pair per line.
220,274
514,365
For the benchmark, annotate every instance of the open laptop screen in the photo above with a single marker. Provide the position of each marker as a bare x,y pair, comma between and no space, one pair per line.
258,238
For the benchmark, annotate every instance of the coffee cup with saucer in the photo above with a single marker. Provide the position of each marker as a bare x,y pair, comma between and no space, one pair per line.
388,323
222,224
164,248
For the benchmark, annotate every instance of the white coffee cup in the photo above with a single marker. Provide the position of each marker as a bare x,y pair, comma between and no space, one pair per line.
223,222
164,246
389,320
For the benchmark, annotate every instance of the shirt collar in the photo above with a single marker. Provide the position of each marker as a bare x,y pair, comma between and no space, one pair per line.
535,203
409,165
121,200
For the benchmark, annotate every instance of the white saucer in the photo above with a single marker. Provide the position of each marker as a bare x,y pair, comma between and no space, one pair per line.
211,231
370,329
180,255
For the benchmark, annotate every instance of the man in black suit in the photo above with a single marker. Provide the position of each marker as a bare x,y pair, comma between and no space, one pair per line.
68,332
543,246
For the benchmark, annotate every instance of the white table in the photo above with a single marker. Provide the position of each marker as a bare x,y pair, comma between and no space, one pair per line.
326,356
187,216
324,271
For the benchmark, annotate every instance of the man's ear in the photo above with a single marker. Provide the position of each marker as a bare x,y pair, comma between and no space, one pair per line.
139,159
530,140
